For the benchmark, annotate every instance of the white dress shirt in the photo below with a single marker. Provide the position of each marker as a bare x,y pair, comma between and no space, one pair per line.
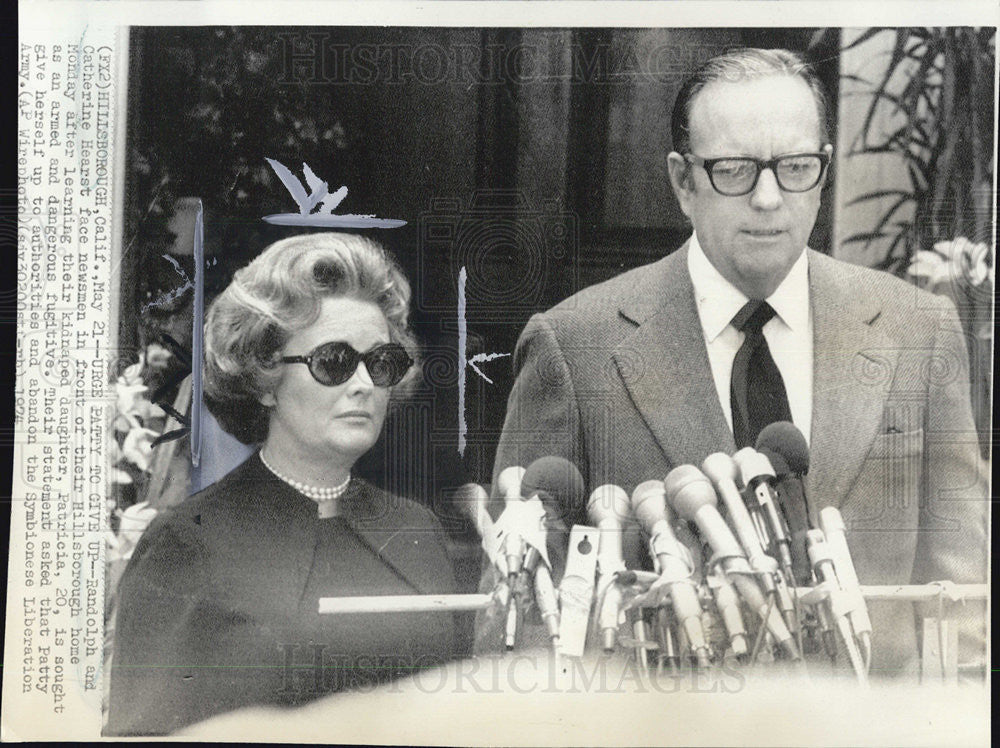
789,334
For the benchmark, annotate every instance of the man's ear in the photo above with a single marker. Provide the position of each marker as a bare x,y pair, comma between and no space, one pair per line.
681,180
267,400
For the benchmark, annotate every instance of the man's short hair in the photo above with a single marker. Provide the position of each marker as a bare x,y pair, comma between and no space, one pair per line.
743,64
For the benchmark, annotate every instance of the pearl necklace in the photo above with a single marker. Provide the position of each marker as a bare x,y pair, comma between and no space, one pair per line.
316,493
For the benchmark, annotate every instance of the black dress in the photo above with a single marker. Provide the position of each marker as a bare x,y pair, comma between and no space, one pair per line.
218,608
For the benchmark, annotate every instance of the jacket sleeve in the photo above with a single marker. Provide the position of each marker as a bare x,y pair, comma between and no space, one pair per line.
158,599
952,544
543,414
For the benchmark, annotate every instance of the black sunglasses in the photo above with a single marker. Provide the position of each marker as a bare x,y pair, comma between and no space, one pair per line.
334,363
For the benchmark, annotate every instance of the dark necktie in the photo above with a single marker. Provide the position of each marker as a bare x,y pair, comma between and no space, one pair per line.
757,391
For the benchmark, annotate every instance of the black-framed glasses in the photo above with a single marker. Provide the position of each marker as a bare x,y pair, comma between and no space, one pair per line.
334,363
738,175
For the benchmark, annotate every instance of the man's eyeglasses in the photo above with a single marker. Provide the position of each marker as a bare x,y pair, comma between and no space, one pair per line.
738,175
334,363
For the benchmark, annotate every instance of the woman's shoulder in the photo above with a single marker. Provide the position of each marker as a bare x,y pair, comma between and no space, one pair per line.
401,509
189,520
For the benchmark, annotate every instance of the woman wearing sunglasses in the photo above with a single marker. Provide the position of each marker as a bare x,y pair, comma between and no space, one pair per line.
218,607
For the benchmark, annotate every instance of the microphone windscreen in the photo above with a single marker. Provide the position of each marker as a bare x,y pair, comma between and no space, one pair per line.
688,490
471,498
649,504
720,467
785,439
608,502
508,483
554,479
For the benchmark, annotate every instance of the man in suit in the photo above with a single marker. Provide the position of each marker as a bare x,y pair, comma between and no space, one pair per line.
668,363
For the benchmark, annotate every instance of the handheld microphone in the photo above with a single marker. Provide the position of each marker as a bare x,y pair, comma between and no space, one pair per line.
786,448
508,483
608,508
556,479
785,439
510,523
547,481
537,575
472,499
823,567
833,528
722,470
650,508
790,496
692,496
758,476
728,604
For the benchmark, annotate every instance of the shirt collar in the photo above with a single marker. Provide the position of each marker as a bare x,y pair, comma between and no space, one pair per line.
718,300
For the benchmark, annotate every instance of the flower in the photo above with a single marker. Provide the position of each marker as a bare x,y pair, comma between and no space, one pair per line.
132,407
115,454
128,389
132,525
957,260
157,356
138,446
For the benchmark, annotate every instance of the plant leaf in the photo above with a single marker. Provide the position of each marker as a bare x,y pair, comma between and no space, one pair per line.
168,437
864,37
877,194
865,236
176,348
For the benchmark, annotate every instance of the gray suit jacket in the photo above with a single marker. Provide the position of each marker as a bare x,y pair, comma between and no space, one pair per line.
616,378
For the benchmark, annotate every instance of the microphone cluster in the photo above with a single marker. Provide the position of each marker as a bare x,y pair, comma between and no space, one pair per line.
769,578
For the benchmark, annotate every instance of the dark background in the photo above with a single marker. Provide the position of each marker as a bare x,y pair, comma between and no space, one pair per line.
534,158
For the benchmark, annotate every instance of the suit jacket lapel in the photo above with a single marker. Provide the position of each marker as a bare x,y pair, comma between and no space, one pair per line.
664,365
853,365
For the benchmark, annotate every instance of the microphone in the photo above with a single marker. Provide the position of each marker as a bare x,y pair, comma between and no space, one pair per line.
722,470
608,508
823,567
692,496
555,477
833,527
472,499
650,508
785,439
790,495
541,582
785,446
729,608
507,486
508,483
758,476
547,480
